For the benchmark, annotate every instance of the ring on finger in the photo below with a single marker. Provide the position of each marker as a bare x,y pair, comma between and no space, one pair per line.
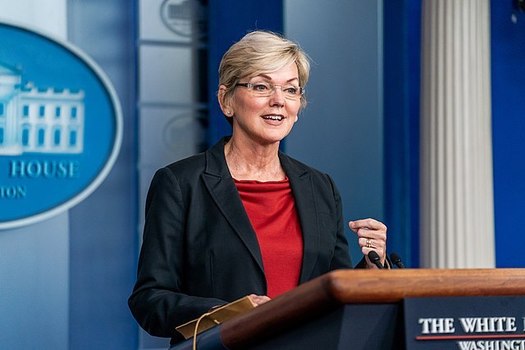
368,243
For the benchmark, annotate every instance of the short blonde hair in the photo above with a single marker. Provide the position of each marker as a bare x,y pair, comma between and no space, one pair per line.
261,52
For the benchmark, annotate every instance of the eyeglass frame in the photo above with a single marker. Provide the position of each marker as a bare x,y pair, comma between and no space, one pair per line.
273,87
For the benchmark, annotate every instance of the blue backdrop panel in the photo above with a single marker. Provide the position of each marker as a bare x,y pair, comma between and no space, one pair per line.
340,131
401,64
34,287
229,21
508,109
103,236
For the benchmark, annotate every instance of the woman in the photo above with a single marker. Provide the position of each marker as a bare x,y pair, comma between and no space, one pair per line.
243,218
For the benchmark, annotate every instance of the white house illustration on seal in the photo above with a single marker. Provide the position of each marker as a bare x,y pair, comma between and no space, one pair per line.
37,120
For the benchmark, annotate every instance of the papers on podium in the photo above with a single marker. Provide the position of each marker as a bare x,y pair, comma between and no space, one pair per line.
215,317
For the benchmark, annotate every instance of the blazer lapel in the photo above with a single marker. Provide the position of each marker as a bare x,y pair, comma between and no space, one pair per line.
219,183
300,181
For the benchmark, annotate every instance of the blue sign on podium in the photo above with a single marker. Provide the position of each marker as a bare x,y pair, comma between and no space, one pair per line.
465,323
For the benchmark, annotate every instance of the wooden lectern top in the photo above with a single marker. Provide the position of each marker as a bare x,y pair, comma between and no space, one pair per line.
355,286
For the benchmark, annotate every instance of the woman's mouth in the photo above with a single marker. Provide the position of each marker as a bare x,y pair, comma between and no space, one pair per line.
275,117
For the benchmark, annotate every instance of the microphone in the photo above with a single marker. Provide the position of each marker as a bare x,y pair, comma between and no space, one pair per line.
396,260
374,257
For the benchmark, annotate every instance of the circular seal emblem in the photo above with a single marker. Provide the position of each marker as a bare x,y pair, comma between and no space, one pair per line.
182,130
187,18
60,126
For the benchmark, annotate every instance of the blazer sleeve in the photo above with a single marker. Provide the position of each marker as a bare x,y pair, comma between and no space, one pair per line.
158,302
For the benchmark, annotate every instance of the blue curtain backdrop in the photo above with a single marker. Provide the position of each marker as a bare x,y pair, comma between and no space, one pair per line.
508,128
229,21
401,65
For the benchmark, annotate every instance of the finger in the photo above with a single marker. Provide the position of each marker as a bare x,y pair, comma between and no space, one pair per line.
366,223
367,242
376,239
379,238
372,232
258,299
380,250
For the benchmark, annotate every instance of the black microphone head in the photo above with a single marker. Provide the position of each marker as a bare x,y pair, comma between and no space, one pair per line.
374,257
396,260
394,257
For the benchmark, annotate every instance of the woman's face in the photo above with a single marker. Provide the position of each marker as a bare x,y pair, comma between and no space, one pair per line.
264,119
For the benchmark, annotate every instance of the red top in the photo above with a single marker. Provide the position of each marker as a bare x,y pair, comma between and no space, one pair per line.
271,209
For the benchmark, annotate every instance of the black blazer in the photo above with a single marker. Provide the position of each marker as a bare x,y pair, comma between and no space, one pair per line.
200,250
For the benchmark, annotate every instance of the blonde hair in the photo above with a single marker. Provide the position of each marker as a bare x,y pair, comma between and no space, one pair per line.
261,52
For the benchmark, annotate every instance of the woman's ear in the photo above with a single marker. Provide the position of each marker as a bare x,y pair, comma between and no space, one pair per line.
224,102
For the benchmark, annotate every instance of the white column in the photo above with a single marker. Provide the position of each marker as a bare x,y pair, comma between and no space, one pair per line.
457,216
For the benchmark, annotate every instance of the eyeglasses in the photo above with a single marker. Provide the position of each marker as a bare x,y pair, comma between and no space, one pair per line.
265,89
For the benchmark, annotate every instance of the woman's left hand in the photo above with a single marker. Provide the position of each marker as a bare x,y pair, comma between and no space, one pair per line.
371,236
258,299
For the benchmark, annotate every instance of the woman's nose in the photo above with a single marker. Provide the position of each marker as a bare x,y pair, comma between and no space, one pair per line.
277,96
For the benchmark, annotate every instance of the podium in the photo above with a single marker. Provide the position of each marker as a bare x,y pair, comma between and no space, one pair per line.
352,309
